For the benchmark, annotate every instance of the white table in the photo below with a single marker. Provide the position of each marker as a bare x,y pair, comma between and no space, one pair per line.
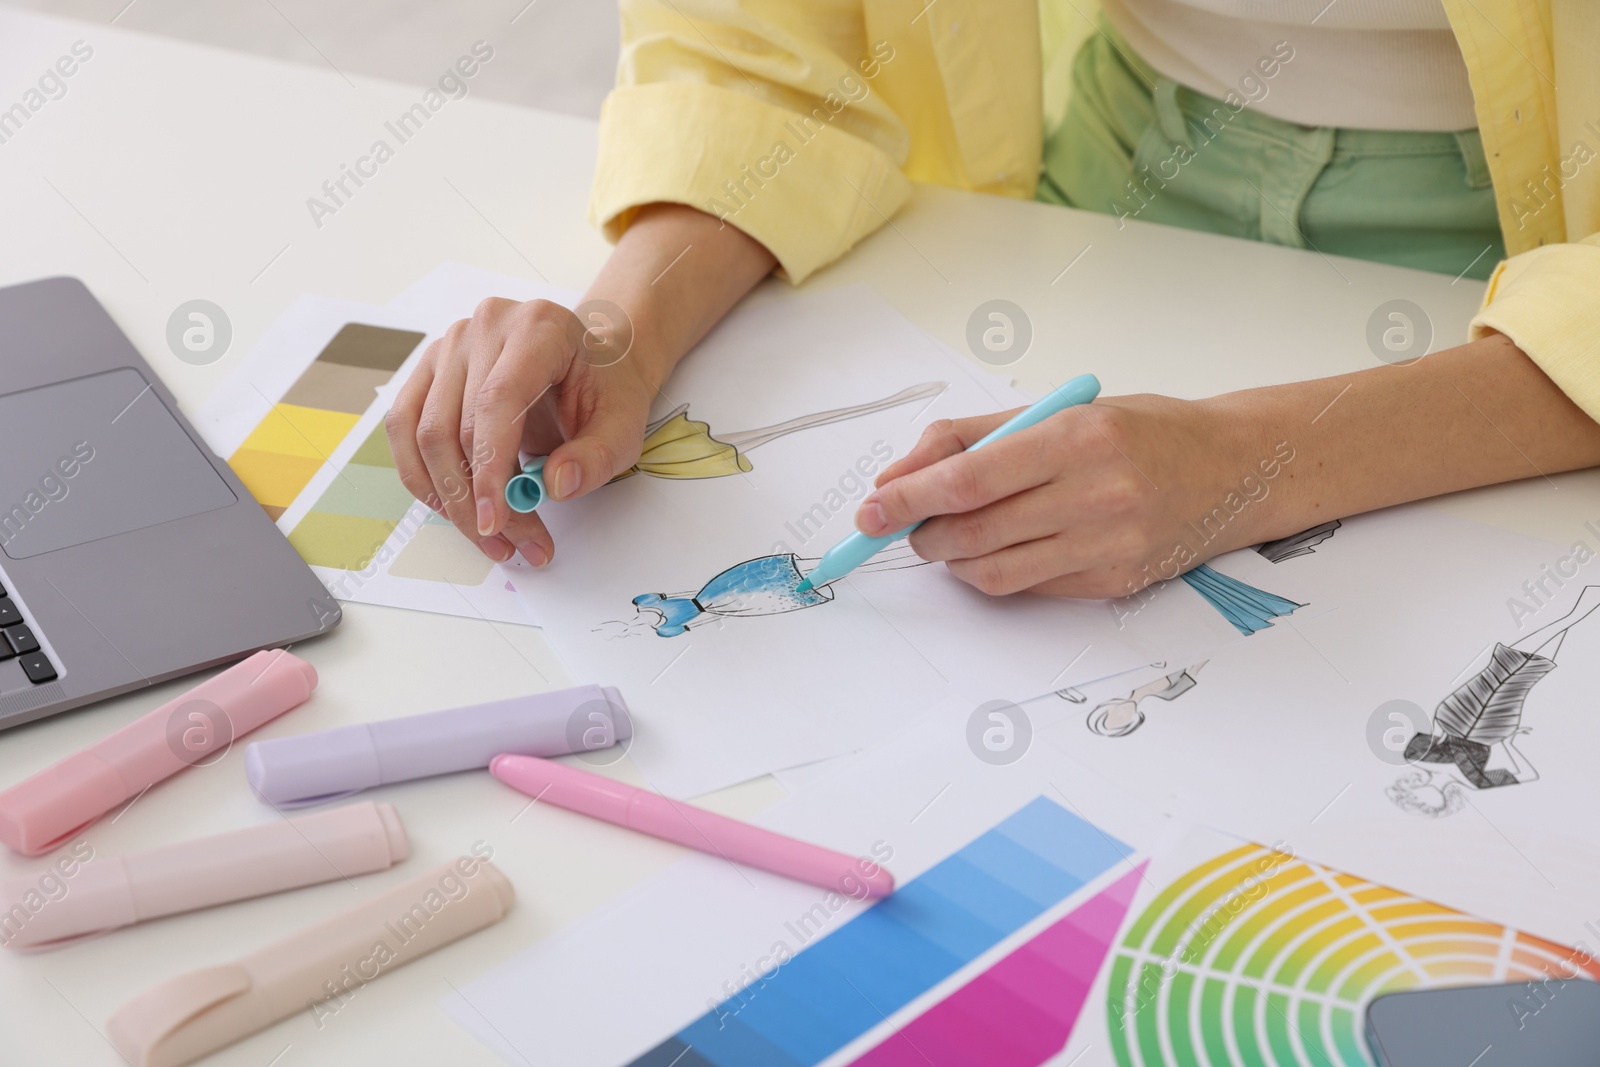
170,171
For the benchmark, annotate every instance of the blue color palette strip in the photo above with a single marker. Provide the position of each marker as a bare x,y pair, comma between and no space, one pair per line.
851,980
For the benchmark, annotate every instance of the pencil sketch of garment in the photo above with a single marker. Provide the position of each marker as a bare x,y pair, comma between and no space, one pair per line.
1121,716
768,585
1483,714
1303,543
1249,609
765,586
1484,710
681,448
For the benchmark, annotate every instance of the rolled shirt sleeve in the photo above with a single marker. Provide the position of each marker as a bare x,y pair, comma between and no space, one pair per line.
763,114
1548,301
804,122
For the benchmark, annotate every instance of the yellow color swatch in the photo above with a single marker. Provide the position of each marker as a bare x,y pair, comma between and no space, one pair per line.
440,554
273,478
311,433
345,541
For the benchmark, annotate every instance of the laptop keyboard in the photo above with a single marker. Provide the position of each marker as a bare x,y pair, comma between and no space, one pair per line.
17,641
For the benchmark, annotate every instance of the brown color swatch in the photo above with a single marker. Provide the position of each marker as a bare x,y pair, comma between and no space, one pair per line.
373,347
337,387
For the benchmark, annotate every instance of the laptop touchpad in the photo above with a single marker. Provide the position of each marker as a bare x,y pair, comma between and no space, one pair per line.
93,457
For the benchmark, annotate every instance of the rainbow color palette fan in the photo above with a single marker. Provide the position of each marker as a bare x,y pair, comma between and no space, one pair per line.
1256,957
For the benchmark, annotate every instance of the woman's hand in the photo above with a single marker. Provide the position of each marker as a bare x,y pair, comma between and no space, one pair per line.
517,376
1103,499
532,377
1099,500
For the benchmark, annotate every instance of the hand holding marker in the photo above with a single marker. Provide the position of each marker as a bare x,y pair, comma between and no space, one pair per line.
526,489
857,548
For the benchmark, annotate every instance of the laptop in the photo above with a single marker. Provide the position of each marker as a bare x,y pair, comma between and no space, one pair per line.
129,553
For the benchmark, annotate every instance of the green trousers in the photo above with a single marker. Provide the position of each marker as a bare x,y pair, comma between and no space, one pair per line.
1137,145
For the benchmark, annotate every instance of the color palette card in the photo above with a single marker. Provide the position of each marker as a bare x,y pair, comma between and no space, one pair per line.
1013,882
900,960
291,443
300,420
1239,953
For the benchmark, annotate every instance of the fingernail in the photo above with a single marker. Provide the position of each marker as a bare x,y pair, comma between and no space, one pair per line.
485,516
496,548
569,479
534,553
869,520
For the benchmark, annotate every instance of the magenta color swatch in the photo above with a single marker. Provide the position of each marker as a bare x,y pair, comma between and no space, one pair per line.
1020,1011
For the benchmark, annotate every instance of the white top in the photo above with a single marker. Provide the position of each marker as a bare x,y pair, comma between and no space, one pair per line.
1370,64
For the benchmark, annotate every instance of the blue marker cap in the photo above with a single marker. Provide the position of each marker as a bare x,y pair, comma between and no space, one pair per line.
526,491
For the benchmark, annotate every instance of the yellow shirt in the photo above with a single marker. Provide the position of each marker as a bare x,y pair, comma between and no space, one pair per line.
803,123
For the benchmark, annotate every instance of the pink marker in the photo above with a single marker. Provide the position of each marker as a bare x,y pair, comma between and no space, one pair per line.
42,812
717,835
45,911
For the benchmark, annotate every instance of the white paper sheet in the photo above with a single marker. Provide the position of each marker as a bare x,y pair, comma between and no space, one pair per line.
417,561
744,691
1292,734
614,984
452,291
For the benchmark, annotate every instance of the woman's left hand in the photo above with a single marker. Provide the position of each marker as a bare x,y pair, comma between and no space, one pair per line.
1097,501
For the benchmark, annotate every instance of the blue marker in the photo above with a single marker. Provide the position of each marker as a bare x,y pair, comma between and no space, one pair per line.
857,548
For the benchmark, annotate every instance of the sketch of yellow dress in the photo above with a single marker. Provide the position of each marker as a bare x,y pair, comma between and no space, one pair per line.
679,447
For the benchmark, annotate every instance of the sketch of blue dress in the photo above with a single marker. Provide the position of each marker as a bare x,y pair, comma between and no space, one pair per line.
1248,608
764,586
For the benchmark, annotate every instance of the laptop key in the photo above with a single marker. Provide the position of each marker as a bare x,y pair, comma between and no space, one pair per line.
36,665
9,615
21,638
6,651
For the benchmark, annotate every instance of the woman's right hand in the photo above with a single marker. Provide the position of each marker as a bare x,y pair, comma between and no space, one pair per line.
533,377
518,376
